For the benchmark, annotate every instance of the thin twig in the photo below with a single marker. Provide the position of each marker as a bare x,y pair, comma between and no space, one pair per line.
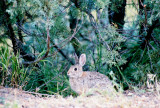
94,24
151,64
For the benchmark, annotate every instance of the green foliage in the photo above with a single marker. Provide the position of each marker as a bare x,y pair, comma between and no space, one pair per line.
12,74
143,56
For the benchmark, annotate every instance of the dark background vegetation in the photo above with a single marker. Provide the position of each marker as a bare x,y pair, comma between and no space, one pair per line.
38,39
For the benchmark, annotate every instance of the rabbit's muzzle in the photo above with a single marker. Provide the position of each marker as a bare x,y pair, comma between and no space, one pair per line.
68,73
72,74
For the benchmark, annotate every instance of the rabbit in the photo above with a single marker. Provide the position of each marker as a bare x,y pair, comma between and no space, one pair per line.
86,81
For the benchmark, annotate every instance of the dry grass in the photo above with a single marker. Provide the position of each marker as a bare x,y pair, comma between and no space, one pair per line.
14,98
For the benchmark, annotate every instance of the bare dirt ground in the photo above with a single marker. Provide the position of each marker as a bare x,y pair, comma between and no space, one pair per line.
14,98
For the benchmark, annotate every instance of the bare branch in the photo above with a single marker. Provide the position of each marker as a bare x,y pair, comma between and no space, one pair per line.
28,32
155,41
42,35
48,43
94,24
69,39
47,52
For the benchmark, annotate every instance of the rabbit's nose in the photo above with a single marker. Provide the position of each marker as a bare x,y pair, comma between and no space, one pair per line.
68,73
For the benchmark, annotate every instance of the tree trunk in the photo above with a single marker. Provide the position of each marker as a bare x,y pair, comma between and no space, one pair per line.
7,22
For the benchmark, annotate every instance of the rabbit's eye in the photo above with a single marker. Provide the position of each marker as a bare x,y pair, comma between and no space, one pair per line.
75,69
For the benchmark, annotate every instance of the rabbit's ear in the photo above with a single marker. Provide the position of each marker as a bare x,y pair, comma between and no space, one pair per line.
82,59
76,58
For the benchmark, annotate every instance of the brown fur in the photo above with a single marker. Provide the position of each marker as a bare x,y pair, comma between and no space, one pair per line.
86,81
